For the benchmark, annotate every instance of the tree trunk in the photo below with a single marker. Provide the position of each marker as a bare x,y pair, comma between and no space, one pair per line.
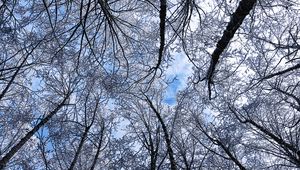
22,142
167,138
236,20
86,130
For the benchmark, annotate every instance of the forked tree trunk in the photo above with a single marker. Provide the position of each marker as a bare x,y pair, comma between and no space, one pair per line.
166,134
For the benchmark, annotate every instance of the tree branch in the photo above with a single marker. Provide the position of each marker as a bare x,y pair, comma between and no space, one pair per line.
236,20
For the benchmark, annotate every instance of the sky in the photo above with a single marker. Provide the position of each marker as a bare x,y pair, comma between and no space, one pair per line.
180,68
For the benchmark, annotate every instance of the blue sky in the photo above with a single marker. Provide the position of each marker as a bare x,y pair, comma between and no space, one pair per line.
180,68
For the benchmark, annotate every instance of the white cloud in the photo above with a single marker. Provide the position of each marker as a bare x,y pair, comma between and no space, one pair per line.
180,68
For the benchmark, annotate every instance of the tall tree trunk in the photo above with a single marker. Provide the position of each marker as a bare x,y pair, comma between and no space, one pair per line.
99,147
245,6
82,140
4,91
162,28
22,142
166,134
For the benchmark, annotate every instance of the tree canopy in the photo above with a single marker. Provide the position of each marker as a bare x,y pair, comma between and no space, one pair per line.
146,84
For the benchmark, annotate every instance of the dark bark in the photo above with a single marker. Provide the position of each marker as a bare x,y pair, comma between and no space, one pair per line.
82,140
297,66
245,6
22,142
231,156
85,133
166,134
151,144
227,151
154,149
162,26
99,146
295,158
18,69
221,144
292,152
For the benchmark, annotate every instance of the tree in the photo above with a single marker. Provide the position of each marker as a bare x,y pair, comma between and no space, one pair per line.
84,84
